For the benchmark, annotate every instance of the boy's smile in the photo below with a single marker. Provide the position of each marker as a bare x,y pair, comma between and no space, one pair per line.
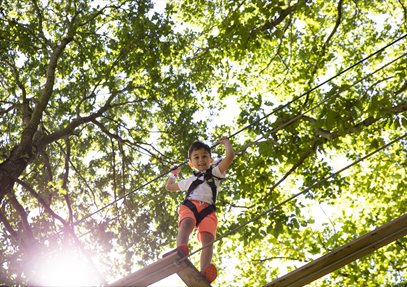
200,159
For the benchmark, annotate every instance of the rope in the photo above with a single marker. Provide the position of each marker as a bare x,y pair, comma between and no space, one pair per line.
246,127
300,193
291,121
273,131
120,198
277,206
320,85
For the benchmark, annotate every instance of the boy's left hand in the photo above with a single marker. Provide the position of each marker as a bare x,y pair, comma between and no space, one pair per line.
224,140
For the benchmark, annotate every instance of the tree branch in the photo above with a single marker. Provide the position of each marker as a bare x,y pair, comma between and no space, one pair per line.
403,88
68,129
26,110
6,111
357,127
25,151
113,168
284,13
404,10
66,179
324,47
294,167
26,228
130,143
100,12
277,54
40,18
78,174
42,103
79,121
337,23
47,165
43,203
8,226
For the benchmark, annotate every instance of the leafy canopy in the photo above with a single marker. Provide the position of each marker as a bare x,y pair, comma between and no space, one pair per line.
98,99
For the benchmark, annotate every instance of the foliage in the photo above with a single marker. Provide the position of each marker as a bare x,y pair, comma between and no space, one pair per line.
100,99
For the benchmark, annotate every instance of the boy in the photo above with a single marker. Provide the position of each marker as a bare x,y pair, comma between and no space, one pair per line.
198,208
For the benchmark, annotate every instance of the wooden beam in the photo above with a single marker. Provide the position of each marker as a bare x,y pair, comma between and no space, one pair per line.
173,263
152,273
345,254
191,276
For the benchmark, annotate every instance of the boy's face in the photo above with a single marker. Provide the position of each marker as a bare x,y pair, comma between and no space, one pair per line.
200,159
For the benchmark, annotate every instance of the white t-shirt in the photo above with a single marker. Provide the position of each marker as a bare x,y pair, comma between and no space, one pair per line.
202,192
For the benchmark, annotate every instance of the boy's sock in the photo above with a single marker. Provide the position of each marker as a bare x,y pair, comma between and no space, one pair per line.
183,248
210,273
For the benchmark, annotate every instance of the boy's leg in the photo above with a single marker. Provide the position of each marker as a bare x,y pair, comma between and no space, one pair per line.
207,252
208,270
186,224
206,235
185,228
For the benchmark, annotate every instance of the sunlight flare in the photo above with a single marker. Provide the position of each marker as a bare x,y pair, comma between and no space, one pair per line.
67,267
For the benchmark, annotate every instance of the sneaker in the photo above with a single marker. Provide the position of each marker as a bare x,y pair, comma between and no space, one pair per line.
183,249
210,273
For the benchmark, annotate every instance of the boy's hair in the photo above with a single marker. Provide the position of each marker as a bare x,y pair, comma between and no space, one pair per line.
198,145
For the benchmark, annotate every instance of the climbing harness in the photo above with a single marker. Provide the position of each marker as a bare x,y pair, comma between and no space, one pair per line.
209,178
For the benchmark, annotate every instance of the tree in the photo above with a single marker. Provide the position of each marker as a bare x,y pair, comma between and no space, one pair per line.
288,48
83,86
97,100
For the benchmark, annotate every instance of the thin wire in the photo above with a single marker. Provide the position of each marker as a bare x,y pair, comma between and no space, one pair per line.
307,190
320,85
246,127
327,99
300,193
122,197
299,116
275,207
304,191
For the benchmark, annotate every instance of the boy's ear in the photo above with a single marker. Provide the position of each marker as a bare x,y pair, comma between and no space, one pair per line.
190,164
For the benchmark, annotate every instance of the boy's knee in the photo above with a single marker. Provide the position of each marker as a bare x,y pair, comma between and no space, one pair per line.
187,223
206,237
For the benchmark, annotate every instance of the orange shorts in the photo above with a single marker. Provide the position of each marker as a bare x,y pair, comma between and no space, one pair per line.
208,224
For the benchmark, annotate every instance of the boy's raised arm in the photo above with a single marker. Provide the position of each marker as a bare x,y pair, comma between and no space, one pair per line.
229,155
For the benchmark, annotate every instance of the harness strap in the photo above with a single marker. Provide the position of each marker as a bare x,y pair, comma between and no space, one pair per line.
199,215
209,179
193,185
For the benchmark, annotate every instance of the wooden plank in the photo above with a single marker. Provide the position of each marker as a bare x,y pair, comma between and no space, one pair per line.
191,276
173,263
153,272
343,255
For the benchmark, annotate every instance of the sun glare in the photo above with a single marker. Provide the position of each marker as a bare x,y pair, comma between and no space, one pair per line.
66,268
